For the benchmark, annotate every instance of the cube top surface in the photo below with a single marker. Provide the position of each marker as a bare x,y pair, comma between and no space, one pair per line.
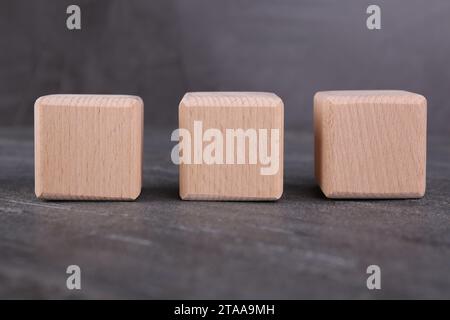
370,144
369,96
88,147
89,100
230,99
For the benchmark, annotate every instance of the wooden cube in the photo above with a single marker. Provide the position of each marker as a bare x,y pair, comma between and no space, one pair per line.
370,144
235,149
88,147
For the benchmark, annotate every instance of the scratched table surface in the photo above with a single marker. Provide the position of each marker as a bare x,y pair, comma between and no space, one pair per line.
303,246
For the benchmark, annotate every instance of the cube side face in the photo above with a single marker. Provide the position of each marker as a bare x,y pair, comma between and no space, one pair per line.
38,154
87,148
223,180
322,146
377,149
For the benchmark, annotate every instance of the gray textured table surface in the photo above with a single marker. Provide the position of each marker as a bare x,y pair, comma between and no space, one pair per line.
303,246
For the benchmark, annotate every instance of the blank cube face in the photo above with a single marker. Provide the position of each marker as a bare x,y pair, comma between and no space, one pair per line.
370,144
88,147
231,146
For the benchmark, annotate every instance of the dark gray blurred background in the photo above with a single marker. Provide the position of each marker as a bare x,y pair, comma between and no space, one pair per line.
160,49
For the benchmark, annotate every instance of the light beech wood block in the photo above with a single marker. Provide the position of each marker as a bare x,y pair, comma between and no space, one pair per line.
88,147
241,146
370,144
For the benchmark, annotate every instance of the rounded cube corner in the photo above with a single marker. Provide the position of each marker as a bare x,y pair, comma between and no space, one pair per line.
39,104
279,103
183,195
135,194
39,193
421,192
328,191
182,105
421,100
317,95
138,102
278,195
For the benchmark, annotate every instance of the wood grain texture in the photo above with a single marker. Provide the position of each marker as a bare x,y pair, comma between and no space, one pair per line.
231,110
370,144
88,147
